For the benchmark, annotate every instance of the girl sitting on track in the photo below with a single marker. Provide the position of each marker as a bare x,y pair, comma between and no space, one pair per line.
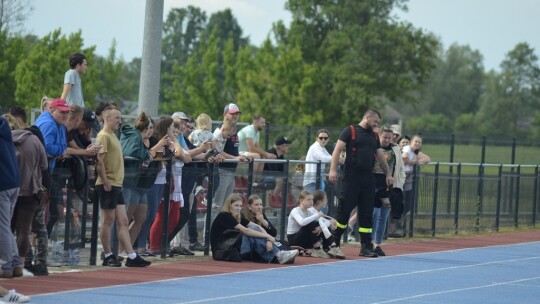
229,226
304,231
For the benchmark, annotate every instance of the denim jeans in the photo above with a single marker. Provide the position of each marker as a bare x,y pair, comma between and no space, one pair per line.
380,217
154,198
257,245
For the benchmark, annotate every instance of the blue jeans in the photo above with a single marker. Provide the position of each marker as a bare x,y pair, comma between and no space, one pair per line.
154,196
257,245
380,217
9,252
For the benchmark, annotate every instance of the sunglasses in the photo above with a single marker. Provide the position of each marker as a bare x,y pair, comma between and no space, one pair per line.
323,138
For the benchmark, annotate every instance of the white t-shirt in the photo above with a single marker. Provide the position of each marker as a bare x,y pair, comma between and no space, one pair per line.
200,136
244,134
218,136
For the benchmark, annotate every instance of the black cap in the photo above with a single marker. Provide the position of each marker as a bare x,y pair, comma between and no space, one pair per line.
89,116
282,140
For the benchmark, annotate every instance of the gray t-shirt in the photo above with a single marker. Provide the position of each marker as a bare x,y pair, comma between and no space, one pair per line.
75,95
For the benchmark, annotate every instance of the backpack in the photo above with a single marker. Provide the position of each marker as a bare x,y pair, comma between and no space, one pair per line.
79,171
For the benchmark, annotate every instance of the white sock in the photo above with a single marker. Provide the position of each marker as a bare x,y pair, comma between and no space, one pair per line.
108,254
132,255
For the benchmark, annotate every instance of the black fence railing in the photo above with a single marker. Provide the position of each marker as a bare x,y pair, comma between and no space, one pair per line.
449,198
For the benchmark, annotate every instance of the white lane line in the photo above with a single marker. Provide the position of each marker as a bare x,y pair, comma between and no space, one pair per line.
360,279
456,290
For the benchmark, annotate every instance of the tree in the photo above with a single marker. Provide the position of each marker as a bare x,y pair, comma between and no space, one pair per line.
207,79
181,37
512,98
364,57
456,84
13,13
113,84
12,50
42,71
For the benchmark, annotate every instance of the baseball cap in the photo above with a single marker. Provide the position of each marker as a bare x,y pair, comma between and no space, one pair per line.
89,116
282,140
396,129
231,108
180,115
60,104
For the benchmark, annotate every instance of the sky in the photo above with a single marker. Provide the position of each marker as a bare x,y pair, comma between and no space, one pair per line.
493,27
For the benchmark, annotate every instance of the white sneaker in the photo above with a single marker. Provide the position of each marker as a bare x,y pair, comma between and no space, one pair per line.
14,297
286,255
336,252
320,253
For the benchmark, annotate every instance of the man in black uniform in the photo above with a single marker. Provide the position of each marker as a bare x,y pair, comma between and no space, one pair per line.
358,182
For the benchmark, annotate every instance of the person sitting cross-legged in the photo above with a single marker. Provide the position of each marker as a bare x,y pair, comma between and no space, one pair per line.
229,227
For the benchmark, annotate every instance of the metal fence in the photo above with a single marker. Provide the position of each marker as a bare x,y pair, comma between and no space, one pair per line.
449,198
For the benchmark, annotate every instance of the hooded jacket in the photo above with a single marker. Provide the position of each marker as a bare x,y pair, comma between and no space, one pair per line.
32,159
9,173
132,146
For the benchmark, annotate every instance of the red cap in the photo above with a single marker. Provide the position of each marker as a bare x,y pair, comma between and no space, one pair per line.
60,104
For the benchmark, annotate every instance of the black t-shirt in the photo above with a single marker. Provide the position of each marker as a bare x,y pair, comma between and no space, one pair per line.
274,167
223,221
231,147
366,145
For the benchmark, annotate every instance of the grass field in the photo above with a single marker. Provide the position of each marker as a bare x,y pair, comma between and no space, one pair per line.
473,154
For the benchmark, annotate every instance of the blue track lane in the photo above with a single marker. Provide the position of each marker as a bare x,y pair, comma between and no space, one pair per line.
496,274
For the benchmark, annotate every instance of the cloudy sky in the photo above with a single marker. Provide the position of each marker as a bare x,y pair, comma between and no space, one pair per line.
493,27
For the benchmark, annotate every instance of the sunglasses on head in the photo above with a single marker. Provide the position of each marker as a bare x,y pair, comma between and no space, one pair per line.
323,138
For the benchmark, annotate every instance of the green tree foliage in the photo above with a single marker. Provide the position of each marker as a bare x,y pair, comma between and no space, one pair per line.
276,82
111,84
364,57
206,81
429,123
455,85
12,50
512,98
42,71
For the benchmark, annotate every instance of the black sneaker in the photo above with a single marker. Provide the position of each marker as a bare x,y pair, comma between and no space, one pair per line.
119,258
378,250
111,261
196,247
137,262
367,251
39,270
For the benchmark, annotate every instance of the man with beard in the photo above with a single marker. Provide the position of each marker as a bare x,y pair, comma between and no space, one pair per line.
249,138
358,182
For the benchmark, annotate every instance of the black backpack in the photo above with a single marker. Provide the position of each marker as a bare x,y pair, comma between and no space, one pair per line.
79,171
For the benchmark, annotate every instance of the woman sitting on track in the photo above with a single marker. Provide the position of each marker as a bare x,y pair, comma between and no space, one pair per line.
226,230
304,231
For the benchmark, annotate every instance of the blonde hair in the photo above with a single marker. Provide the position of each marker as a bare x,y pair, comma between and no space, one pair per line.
45,103
12,122
228,126
234,197
303,195
204,122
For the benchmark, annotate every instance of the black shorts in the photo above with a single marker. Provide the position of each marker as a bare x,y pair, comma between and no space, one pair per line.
111,199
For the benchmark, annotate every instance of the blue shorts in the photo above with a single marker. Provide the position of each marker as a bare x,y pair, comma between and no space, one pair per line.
135,196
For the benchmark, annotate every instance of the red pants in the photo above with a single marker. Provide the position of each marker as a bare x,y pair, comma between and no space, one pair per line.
157,226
